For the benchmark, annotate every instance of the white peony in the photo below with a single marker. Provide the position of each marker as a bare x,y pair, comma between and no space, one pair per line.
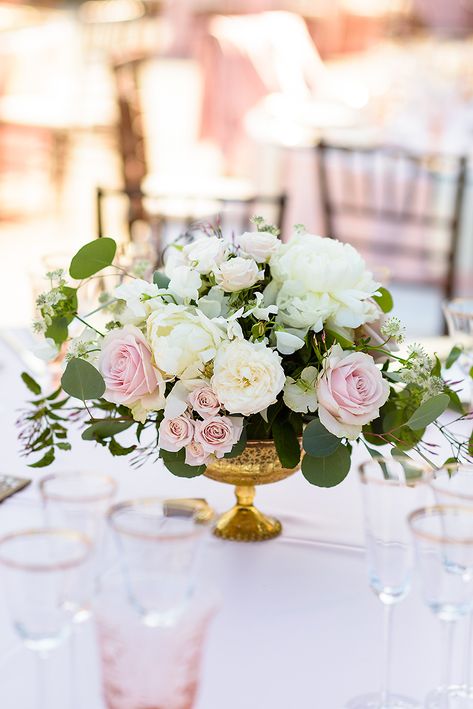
247,377
185,283
205,254
300,395
182,339
140,298
319,279
259,245
238,274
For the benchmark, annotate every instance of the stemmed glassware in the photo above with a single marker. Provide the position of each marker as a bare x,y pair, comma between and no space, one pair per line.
459,316
152,618
43,572
443,537
453,484
391,488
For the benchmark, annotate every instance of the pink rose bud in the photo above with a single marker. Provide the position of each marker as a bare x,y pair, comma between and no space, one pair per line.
195,454
218,434
176,433
350,391
204,401
125,363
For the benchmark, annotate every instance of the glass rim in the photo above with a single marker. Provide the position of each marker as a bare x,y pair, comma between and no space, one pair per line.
450,306
82,499
433,511
65,533
365,477
199,524
450,493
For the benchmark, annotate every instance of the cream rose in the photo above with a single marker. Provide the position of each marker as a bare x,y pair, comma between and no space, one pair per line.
350,391
182,339
247,377
204,254
259,245
319,279
237,274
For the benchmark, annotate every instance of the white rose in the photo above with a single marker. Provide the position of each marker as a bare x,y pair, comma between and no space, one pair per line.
185,283
173,258
300,395
205,254
320,278
237,274
287,343
137,307
247,377
260,245
182,339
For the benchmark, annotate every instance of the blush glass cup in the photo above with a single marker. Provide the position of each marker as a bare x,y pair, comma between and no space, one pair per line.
156,666
443,537
391,488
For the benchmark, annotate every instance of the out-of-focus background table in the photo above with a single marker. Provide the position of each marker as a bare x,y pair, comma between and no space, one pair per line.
298,626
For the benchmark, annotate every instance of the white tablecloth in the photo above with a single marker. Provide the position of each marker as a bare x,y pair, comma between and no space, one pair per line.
298,628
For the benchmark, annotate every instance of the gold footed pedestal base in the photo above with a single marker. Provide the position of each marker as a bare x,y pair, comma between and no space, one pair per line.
244,522
257,465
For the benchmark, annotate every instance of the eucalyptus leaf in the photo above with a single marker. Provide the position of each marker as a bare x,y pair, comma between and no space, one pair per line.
175,464
428,412
384,300
344,342
160,279
82,380
31,383
319,442
105,429
470,445
328,471
454,354
57,330
116,449
92,257
46,460
287,443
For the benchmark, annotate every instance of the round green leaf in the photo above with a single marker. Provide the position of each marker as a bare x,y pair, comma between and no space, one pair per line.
160,279
92,257
428,412
104,429
82,380
182,470
328,471
384,300
319,442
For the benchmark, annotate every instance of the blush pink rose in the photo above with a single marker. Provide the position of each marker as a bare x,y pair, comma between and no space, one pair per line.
125,363
350,391
176,433
195,454
218,434
205,401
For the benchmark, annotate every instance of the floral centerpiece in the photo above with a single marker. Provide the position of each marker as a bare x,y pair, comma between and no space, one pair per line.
236,341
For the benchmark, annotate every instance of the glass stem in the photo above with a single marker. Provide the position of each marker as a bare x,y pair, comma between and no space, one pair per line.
469,638
386,670
41,680
449,629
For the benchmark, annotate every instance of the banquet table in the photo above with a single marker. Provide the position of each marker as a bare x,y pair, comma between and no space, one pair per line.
298,627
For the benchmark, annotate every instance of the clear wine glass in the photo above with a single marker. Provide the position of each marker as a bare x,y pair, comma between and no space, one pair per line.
443,537
459,316
453,484
158,541
391,488
43,572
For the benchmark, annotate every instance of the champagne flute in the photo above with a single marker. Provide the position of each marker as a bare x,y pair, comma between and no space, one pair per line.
443,537
43,572
391,488
453,484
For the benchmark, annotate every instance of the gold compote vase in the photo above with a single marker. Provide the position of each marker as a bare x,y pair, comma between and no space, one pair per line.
258,464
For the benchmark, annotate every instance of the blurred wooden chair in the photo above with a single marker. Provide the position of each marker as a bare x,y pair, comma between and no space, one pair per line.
165,217
400,209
